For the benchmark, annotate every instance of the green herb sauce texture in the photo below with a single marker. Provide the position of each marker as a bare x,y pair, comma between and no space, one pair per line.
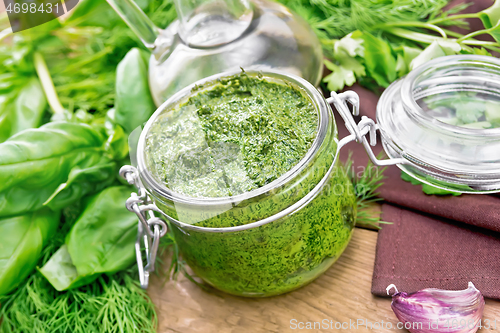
240,135
279,256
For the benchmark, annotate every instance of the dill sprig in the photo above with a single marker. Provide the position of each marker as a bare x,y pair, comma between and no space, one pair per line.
336,18
366,181
110,304
114,303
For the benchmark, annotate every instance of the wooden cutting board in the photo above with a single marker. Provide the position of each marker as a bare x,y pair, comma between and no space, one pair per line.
341,295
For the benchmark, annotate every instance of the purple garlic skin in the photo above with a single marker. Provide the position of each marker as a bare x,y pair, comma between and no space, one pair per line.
439,311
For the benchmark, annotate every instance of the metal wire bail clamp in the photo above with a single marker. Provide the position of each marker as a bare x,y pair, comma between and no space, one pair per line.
149,228
358,130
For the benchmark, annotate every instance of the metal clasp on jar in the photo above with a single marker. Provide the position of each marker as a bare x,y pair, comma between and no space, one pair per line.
150,228
358,130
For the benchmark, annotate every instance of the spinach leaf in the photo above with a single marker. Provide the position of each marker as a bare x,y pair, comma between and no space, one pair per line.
54,165
134,104
101,241
22,239
117,143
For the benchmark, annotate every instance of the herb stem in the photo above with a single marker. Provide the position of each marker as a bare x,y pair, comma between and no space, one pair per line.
47,84
491,48
5,33
412,35
474,34
89,83
426,39
454,17
453,33
88,60
413,24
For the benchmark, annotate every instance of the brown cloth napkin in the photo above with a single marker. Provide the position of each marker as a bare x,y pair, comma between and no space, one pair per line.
434,241
420,251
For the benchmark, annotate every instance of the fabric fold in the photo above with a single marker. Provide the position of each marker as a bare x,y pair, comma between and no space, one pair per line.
418,251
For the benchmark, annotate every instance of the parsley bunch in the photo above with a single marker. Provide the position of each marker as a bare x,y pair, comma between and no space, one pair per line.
376,42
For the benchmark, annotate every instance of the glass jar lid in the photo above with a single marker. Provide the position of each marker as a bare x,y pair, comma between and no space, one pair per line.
443,119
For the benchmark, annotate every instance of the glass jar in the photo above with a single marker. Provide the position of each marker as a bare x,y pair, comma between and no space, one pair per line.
443,119
440,124
277,237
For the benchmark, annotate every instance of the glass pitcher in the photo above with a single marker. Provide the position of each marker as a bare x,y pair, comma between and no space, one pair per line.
214,36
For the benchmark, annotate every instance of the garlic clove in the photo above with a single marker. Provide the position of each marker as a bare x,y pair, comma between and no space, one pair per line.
436,310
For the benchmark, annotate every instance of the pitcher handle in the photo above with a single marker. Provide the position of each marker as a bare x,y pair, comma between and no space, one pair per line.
135,18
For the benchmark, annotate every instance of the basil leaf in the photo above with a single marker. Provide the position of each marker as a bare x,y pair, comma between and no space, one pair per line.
22,239
101,241
117,144
89,177
55,164
134,104
6,116
21,109
62,274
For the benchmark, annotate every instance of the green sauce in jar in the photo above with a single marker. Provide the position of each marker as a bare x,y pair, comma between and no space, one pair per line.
238,135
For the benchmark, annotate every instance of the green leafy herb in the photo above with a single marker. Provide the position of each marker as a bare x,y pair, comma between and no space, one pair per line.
366,180
134,104
379,60
426,188
22,239
21,107
347,52
54,166
110,304
101,241
435,50
398,36
492,112
464,109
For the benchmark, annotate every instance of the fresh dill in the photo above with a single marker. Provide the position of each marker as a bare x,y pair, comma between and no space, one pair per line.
366,181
